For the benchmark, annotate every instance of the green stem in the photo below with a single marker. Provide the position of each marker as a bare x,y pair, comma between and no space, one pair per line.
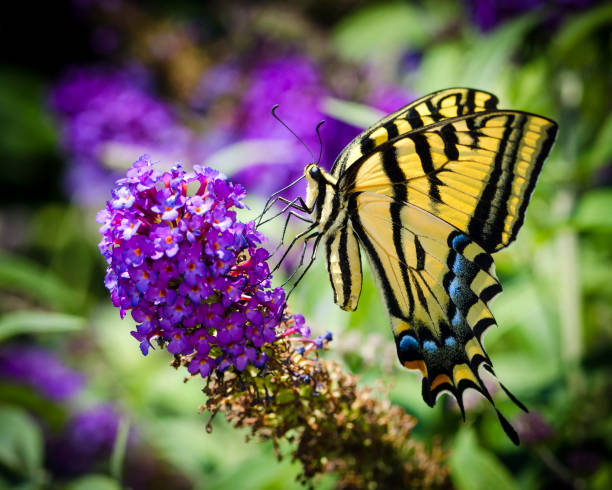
119,448
570,304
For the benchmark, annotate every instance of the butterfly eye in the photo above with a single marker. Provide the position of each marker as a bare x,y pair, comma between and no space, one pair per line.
314,172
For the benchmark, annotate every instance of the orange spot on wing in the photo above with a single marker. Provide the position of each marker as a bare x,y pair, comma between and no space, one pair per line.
440,379
420,365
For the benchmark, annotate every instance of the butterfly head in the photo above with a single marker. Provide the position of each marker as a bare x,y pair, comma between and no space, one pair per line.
318,181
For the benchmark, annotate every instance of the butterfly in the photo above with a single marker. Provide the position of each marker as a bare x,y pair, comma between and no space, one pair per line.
429,193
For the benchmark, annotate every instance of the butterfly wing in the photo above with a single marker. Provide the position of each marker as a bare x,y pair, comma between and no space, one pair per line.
437,285
427,110
429,207
476,172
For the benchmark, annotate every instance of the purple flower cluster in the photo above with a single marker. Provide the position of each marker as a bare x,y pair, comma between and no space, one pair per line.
105,115
192,276
41,370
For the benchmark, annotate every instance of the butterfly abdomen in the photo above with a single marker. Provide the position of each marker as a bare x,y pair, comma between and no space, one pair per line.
341,246
344,267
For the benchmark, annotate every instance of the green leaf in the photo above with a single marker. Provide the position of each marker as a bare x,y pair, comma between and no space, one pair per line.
21,275
14,394
27,129
22,485
578,28
382,31
28,322
473,468
359,115
594,210
481,63
94,482
21,442
491,54
600,152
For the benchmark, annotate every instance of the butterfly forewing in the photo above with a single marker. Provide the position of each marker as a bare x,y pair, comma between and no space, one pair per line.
444,104
476,172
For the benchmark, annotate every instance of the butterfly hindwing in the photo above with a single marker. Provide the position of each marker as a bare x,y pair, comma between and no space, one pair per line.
437,285
427,110
433,278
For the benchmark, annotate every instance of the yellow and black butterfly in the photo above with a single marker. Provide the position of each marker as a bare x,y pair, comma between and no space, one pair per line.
429,193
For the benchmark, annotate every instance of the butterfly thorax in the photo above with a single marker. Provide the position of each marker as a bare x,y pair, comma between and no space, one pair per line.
323,200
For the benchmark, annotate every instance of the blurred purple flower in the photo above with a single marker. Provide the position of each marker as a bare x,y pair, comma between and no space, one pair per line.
87,439
105,114
40,370
411,60
296,85
487,14
533,428
218,81
388,98
292,82
192,276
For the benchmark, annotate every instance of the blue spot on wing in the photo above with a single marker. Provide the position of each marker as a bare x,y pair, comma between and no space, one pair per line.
460,242
408,343
464,268
460,265
449,341
457,319
455,290
461,295
430,345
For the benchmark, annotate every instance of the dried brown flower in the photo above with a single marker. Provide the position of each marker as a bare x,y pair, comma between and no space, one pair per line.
333,425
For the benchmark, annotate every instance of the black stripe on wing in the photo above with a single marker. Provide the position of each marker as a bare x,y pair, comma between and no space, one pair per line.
434,107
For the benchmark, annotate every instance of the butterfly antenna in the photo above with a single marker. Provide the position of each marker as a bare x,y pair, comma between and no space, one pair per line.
291,131
320,140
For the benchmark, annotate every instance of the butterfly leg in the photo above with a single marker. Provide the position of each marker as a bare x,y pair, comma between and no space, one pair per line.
275,197
302,207
289,205
301,262
293,242
310,262
282,240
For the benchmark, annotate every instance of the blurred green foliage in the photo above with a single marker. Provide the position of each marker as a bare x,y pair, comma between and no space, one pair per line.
554,344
